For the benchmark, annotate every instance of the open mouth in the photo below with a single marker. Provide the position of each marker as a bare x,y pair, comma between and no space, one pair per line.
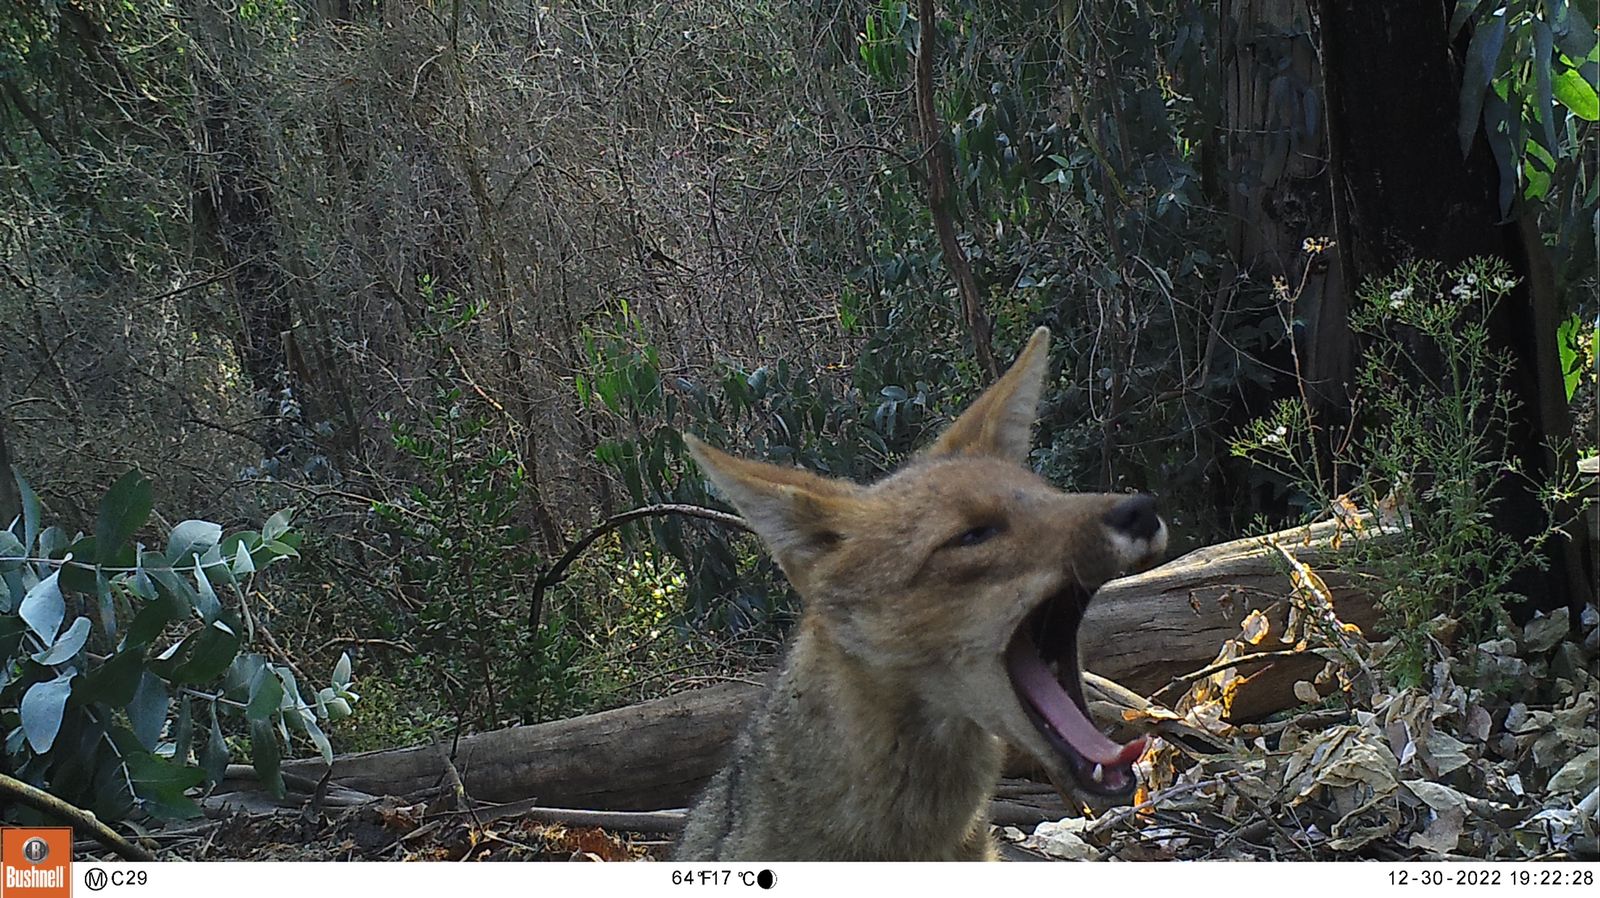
1042,660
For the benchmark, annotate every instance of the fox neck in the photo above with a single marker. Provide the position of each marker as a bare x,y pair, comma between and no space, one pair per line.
895,760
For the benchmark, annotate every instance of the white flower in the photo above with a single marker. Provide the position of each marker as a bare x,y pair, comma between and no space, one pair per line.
1463,290
1404,293
1281,431
1503,284
1397,303
1472,278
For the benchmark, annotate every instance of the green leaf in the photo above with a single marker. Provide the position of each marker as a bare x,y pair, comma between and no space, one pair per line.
277,525
341,671
319,739
1574,34
52,543
1498,125
114,682
67,645
43,608
123,511
1482,53
266,694
205,596
214,757
105,604
153,618
168,582
207,653
30,508
191,538
264,755
242,563
1543,99
41,710
11,552
161,785
1577,95
280,549
1567,335
183,732
1463,12
147,711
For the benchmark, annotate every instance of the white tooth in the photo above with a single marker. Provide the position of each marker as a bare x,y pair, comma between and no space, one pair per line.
1098,774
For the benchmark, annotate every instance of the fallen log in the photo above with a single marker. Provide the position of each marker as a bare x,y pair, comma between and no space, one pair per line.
655,754
1141,632
1144,630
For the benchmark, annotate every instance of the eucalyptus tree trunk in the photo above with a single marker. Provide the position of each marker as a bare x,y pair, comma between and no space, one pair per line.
1402,189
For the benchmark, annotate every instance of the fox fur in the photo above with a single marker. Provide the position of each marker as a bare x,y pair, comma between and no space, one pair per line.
882,734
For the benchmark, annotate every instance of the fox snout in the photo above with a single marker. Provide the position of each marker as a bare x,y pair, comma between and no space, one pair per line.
1138,535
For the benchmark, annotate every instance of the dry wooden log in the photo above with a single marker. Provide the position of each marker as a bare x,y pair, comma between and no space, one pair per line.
646,756
1141,632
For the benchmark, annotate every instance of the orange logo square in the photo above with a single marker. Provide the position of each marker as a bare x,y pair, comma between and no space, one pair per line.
36,862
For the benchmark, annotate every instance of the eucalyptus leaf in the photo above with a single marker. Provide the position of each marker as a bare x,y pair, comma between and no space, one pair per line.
11,552
1463,12
1577,94
147,711
214,757
205,596
242,564
162,785
191,538
30,509
183,731
105,604
1482,53
265,755
1543,97
277,525
208,654
67,645
43,608
42,708
123,511
114,682
266,694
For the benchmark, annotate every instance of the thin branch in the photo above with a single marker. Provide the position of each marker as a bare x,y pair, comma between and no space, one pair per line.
45,803
1252,658
558,572
940,202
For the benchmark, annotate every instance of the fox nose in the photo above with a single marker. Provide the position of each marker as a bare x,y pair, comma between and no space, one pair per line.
1134,517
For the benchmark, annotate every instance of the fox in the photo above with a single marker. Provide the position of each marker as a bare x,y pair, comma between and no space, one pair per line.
940,612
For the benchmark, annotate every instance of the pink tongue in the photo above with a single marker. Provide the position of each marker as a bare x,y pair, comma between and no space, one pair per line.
1057,707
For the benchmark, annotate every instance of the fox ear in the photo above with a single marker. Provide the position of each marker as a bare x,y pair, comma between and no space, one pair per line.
1000,423
796,513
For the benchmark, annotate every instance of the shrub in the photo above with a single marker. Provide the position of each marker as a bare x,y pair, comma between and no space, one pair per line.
124,708
1426,452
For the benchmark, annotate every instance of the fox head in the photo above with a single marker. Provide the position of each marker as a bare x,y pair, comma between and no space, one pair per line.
961,578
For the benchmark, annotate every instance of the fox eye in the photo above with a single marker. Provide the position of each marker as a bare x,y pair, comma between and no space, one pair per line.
976,535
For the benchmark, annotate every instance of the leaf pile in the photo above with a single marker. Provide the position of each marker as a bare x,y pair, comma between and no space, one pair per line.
1496,760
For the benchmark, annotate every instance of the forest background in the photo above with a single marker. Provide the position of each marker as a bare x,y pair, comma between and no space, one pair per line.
416,294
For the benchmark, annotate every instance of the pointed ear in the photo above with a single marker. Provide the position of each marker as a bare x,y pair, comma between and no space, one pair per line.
796,513
1000,423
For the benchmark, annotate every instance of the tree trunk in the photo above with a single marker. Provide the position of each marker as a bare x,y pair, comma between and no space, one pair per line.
1403,190
940,201
1277,195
